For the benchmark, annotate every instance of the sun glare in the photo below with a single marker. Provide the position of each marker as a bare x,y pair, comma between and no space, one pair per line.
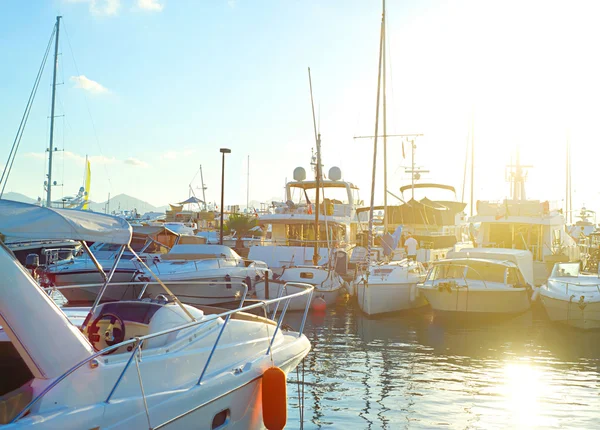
522,389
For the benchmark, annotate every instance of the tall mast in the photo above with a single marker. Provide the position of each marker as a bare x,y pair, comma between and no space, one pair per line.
472,156
371,209
51,143
385,207
568,202
203,188
316,256
248,186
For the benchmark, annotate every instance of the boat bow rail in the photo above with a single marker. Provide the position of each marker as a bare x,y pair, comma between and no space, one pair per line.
137,343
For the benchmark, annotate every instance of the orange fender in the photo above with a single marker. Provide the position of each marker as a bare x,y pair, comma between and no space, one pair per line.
274,398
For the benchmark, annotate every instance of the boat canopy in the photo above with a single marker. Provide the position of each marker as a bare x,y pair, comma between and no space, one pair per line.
25,221
416,186
523,259
191,200
422,211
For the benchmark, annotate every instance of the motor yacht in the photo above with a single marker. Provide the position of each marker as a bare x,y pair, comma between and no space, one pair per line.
490,282
390,287
571,297
328,285
150,242
226,276
135,363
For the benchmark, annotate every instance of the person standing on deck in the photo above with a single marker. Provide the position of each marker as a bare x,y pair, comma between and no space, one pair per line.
411,245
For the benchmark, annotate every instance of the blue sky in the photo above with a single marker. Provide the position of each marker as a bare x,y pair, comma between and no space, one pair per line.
169,82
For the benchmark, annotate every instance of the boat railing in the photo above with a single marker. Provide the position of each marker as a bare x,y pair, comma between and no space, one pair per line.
234,281
137,342
574,284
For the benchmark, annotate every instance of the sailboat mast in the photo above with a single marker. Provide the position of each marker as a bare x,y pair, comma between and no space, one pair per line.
371,209
203,188
385,206
316,256
51,143
568,203
248,186
472,156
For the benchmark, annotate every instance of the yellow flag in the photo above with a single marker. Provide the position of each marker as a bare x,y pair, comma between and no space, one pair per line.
88,179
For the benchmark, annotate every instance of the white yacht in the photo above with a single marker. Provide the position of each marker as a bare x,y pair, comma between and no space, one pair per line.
226,275
292,225
150,242
327,284
571,297
520,223
484,282
390,287
136,364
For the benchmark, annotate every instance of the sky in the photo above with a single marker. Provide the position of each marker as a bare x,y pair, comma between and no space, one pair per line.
152,89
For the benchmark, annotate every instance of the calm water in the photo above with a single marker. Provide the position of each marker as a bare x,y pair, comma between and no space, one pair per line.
415,371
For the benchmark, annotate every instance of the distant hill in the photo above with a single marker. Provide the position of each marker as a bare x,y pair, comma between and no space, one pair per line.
124,202
18,197
119,202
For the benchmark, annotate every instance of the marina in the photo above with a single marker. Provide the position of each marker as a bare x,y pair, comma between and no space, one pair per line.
439,272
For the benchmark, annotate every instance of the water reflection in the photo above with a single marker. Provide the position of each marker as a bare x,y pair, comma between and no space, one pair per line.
415,370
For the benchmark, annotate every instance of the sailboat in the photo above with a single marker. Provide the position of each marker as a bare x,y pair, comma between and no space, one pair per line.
391,286
326,278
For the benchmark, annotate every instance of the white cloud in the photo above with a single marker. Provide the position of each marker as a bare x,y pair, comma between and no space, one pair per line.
105,7
36,155
101,7
150,5
135,162
174,155
79,159
87,84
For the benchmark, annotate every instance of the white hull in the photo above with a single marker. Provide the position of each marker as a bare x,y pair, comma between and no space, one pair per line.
215,291
299,303
89,294
381,298
570,313
480,301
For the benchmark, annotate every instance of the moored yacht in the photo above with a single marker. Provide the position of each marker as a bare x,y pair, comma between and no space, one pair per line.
390,287
483,282
201,366
571,297
150,242
226,276
292,225
521,223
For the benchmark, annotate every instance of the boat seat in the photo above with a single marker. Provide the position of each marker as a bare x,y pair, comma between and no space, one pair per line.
170,316
12,403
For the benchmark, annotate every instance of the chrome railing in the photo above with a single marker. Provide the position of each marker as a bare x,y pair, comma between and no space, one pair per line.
138,342
235,281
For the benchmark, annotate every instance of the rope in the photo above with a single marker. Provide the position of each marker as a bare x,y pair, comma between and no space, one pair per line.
13,152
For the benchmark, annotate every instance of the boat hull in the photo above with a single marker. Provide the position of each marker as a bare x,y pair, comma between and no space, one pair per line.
217,290
508,301
382,298
330,296
571,313
87,295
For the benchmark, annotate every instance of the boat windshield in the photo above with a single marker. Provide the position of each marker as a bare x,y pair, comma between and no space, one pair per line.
475,270
565,270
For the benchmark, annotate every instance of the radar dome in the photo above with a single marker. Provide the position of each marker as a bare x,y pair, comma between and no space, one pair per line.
335,174
299,174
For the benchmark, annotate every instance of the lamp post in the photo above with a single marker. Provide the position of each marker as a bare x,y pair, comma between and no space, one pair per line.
223,151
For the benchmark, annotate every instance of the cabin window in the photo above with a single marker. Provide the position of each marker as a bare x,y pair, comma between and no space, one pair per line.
306,275
486,271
